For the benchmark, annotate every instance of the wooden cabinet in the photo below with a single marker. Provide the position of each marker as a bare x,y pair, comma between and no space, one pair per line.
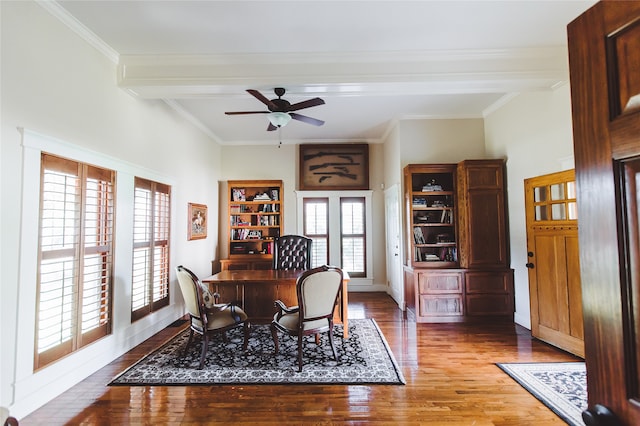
457,264
254,209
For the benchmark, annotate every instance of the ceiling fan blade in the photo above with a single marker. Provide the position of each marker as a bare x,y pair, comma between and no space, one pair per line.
306,119
259,96
247,112
306,104
271,128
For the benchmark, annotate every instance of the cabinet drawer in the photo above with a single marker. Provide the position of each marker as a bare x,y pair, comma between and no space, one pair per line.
439,282
489,304
441,305
238,264
488,282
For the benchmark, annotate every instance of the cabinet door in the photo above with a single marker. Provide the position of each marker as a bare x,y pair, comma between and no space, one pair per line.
482,214
489,292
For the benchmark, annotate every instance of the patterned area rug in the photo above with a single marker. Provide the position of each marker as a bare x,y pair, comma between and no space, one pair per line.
363,358
561,386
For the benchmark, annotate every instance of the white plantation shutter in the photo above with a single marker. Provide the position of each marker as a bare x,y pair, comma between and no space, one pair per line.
316,227
76,257
352,235
150,277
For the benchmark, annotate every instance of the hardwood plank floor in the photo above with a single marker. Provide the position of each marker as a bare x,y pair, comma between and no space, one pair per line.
450,371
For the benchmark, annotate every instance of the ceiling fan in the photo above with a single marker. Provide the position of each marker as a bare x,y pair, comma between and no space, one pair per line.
280,110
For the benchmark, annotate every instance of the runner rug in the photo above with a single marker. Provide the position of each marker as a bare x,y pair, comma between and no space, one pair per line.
363,358
561,386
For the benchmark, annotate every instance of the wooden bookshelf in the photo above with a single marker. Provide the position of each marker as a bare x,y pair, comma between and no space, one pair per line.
254,219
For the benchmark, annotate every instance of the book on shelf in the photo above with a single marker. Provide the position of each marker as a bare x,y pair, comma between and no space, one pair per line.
446,216
419,202
418,235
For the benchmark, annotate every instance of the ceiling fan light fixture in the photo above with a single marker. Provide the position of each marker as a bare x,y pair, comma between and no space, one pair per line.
279,119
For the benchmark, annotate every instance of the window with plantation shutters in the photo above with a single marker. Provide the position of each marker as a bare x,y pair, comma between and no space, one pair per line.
75,257
352,235
316,227
337,226
150,277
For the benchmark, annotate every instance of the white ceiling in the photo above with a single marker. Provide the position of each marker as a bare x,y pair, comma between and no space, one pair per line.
373,62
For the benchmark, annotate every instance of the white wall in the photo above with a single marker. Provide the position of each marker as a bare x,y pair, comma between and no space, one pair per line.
55,85
271,162
533,132
441,141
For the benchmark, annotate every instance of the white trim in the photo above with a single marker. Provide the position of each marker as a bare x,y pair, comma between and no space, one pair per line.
51,145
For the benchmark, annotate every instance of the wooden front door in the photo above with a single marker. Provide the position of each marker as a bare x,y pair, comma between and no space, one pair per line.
553,261
604,58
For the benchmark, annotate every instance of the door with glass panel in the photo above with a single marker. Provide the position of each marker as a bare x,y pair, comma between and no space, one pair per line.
553,261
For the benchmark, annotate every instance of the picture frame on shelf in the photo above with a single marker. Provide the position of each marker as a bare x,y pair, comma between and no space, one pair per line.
238,194
197,226
334,167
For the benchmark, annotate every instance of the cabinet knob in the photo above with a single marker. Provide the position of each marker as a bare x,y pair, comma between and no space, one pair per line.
599,415
529,265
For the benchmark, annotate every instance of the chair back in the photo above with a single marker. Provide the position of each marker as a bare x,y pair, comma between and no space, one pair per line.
318,290
190,288
292,252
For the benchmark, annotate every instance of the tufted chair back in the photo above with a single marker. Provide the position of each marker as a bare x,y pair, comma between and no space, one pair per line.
292,252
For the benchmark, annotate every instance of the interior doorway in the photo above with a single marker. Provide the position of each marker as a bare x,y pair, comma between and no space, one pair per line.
394,258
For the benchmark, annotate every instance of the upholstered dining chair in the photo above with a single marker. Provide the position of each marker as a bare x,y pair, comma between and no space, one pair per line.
317,291
208,317
292,252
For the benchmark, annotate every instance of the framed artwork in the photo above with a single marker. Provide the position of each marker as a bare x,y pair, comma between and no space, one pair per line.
197,221
334,166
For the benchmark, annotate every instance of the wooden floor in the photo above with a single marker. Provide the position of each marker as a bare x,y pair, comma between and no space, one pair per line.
450,371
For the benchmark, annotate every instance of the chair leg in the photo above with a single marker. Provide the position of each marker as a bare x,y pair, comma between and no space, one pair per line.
246,328
300,351
333,348
317,338
184,352
205,345
274,335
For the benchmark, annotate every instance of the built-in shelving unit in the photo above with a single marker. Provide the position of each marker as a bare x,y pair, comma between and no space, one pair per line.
457,264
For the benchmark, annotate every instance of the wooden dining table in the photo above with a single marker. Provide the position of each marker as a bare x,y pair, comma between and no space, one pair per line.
257,290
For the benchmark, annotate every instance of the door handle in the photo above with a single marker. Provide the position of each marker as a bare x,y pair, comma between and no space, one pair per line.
529,265
599,415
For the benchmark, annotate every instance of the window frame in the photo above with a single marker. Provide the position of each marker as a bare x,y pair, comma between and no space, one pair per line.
363,235
315,237
88,206
335,253
155,282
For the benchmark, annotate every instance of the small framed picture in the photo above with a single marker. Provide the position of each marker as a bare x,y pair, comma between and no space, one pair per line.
197,221
238,194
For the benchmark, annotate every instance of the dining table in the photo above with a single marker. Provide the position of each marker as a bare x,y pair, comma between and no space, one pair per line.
256,290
